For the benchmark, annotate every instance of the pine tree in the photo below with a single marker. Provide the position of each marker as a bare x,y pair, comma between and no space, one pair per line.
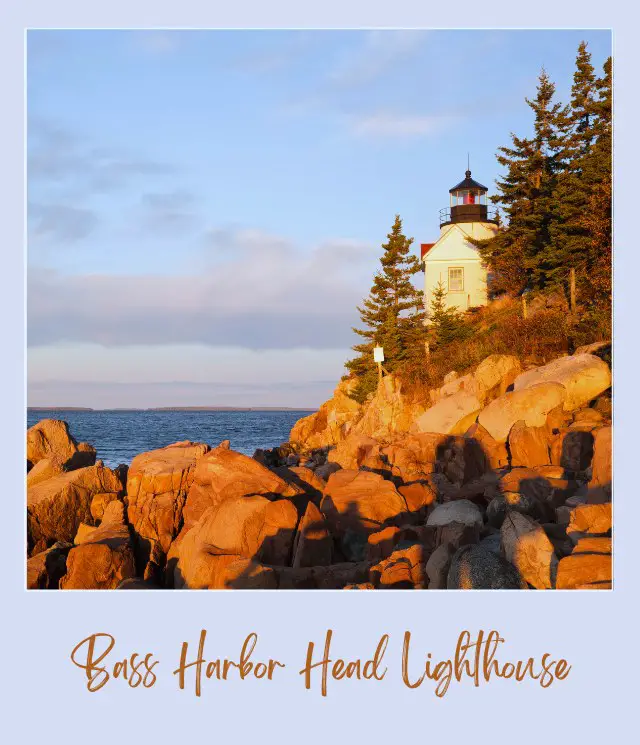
569,234
597,217
392,313
446,324
516,255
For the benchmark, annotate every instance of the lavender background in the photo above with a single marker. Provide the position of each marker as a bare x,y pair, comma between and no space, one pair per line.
43,694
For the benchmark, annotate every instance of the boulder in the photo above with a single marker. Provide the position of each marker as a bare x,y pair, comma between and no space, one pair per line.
573,450
361,502
478,568
303,478
495,374
104,558
460,511
592,545
99,503
404,569
333,577
380,544
528,482
418,495
450,416
437,567
584,570
223,474
57,506
495,453
157,485
590,519
588,415
50,438
601,463
527,547
531,405
330,423
529,446
46,569
239,527
455,535
84,530
312,545
325,470
45,468
391,411
584,377
500,506
351,452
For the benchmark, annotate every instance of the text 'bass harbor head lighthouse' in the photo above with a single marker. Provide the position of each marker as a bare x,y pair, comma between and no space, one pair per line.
452,262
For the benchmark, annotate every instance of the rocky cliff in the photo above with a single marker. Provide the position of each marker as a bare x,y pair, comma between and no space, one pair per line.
500,478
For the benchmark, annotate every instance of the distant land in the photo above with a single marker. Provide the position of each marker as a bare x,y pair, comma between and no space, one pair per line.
175,408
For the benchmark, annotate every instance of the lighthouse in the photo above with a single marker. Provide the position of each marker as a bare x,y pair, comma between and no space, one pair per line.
452,259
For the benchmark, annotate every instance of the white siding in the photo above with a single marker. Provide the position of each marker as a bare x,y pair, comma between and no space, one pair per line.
452,250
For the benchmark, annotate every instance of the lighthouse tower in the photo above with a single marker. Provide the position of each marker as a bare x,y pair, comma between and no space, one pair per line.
452,259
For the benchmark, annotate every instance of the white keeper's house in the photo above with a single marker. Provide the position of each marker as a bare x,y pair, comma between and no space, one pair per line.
452,260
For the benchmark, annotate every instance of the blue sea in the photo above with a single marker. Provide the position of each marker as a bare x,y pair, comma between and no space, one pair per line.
119,436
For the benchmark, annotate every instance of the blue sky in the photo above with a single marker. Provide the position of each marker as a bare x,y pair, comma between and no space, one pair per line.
206,208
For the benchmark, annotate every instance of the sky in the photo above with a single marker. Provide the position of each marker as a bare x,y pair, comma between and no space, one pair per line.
206,208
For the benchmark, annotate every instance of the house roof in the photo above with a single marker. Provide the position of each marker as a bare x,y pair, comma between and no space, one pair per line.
467,183
425,248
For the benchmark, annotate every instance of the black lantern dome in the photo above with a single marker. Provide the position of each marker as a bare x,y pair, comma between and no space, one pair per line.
468,203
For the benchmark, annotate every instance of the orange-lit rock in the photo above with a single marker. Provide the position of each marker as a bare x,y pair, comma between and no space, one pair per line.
583,376
584,571
528,445
57,506
360,501
313,545
104,558
528,548
157,486
331,423
223,474
403,569
593,519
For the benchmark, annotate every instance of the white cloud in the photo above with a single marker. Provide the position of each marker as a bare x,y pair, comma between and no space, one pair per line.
255,291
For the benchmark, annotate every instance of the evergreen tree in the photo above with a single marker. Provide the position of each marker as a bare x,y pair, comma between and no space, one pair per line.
392,313
517,254
569,234
446,324
596,219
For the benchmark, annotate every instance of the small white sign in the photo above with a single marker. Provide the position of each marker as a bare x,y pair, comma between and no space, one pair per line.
378,354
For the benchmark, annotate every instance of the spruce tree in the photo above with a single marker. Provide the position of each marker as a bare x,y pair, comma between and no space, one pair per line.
569,234
392,313
516,255
446,324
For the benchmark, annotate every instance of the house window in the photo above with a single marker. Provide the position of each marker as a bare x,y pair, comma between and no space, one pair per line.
456,279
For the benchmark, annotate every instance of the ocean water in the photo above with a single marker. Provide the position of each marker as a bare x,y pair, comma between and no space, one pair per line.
119,436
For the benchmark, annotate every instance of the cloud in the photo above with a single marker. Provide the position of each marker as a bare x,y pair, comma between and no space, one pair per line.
58,157
61,223
380,51
178,393
387,124
168,211
263,294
